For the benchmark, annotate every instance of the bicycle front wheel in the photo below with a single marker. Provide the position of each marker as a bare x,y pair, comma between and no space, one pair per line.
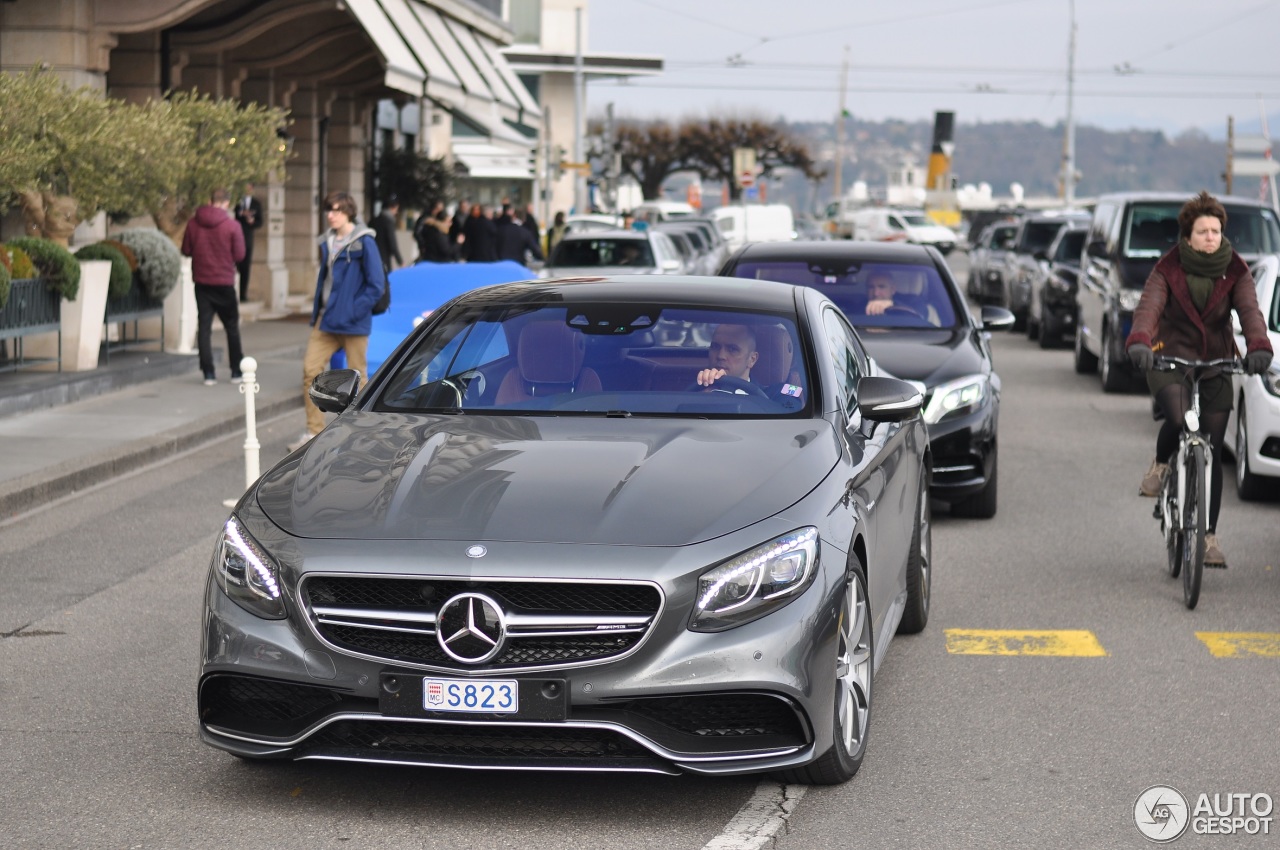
1195,510
1171,521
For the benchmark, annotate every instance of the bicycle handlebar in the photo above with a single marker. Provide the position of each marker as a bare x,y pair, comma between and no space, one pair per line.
1163,363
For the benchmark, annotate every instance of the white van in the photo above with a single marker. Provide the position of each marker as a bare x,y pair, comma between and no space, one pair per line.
882,224
654,211
755,223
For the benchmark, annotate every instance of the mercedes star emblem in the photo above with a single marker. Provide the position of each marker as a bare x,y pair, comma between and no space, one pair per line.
476,551
470,628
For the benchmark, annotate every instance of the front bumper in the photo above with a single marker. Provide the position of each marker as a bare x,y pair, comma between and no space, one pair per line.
754,698
963,451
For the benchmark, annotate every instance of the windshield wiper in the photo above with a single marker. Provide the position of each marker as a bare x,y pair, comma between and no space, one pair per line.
617,414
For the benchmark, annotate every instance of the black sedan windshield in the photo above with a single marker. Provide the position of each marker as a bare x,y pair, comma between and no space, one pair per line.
897,295
610,359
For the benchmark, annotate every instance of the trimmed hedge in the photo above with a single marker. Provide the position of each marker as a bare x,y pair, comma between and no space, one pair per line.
127,252
55,263
159,262
21,266
121,274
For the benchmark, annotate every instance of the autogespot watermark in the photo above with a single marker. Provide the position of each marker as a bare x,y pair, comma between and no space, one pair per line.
1162,814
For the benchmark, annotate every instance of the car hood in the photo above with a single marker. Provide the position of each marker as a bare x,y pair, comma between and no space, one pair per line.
598,271
652,482
929,356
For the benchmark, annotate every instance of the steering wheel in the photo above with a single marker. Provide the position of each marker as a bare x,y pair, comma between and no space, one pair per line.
461,382
729,385
903,308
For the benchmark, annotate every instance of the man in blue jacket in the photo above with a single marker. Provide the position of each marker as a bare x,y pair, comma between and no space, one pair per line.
350,282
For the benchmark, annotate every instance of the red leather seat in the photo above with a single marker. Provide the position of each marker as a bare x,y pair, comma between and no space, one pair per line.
549,359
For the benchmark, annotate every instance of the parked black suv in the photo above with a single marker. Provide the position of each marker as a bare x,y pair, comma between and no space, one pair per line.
1051,316
1128,235
1021,263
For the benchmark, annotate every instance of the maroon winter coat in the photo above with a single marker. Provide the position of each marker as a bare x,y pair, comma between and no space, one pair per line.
215,243
1167,320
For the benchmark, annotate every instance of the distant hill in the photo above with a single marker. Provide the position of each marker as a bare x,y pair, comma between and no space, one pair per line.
1002,153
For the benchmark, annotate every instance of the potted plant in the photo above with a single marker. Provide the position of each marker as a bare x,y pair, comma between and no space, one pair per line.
32,310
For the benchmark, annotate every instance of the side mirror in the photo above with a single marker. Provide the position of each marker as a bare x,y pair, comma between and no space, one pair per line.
333,391
996,318
888,399
669,266
1097,248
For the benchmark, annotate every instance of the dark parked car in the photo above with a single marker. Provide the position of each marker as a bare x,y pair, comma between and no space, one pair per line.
533,540
1051,316
1128,235
986,262
1036,232
928,337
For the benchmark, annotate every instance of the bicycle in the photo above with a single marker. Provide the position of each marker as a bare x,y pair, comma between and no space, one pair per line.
1183,503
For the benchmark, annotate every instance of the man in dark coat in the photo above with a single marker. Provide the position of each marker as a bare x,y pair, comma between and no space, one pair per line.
384,229
215,244
514,240
457,229
481,236
249,214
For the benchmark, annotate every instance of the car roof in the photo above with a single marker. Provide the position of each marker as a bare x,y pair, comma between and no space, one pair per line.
606,233
1181,197
674,290
841,249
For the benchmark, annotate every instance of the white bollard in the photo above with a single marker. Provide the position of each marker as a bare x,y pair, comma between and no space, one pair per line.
249,387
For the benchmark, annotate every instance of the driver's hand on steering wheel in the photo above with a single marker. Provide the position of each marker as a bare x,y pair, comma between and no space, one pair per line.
878,306
707,377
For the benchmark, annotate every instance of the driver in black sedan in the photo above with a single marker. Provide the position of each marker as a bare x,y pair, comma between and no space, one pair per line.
732,352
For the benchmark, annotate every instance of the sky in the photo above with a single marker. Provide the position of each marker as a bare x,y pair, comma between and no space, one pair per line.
1170,65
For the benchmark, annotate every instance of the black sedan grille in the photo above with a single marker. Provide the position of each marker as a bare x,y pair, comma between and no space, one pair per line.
547,623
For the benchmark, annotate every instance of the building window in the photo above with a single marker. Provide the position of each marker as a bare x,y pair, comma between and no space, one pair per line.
526,20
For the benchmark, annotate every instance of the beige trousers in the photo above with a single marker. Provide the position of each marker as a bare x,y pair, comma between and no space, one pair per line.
320,347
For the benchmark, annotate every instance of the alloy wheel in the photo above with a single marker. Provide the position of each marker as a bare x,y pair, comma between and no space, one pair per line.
853,671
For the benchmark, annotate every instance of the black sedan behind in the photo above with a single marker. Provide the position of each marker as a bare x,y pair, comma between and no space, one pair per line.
927,336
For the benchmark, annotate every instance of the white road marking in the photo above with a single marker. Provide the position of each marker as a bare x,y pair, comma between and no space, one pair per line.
761,820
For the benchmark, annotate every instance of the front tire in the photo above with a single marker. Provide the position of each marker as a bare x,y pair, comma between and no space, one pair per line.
919,568
852,712
1050,330
1194,524
981,505
1085,361
1113,378
1249,487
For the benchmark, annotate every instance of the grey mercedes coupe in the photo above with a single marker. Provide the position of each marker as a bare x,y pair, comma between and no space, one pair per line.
612,524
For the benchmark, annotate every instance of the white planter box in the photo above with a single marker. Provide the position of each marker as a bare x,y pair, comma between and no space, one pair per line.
81,322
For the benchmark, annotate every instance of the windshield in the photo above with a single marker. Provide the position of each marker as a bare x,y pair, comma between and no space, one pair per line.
602,251
895,295
915,219
1037,236
1152,229
602,359
1070,247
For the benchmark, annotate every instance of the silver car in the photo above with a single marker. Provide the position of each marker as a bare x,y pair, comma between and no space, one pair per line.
555,532
614,252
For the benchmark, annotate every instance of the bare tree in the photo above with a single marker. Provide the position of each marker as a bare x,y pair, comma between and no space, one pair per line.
709,147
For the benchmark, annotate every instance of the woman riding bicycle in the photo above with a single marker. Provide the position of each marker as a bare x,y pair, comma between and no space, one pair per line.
1185,311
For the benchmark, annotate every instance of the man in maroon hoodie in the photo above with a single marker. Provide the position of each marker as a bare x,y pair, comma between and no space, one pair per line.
215,243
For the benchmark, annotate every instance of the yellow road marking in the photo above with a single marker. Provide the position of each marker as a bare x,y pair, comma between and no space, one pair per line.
1240,644
1072,643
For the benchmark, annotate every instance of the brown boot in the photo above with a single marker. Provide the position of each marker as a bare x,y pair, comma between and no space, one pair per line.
1213,556
1154,479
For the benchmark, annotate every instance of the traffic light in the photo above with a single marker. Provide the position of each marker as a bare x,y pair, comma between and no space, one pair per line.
557,162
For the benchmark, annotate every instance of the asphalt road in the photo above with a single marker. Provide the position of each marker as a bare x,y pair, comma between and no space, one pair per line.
99,637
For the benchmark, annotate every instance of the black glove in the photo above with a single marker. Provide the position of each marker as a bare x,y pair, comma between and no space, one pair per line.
1141,356
1256,362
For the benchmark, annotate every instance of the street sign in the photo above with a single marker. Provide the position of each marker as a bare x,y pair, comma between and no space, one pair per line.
1255,167
744,166
747,179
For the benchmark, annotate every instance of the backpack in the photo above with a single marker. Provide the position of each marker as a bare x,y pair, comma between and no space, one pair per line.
384,301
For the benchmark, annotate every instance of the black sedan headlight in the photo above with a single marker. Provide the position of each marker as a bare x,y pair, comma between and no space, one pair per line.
757,582
246,573
959,397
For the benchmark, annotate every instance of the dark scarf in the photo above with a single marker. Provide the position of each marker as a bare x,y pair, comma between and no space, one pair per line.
1203,269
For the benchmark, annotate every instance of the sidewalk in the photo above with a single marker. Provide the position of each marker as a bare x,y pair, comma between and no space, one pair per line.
66,431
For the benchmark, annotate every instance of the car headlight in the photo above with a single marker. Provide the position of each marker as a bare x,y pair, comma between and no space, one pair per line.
1129,299
1271,381
246,573
957,398
757,582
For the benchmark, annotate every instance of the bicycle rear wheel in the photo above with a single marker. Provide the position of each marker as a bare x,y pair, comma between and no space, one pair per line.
1194,523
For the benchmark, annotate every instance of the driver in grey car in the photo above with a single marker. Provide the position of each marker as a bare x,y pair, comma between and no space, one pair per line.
732,352
880,292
